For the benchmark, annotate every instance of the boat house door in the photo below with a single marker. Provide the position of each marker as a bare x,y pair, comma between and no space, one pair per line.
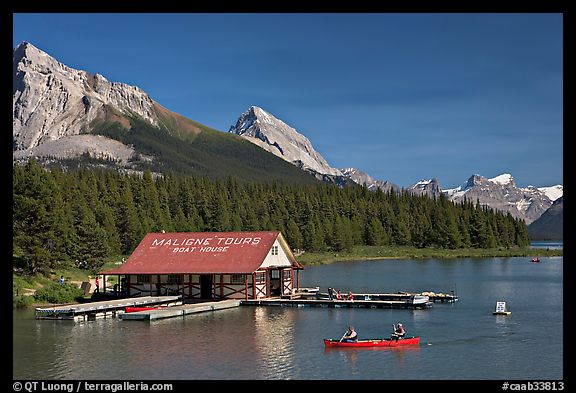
206,281
275,286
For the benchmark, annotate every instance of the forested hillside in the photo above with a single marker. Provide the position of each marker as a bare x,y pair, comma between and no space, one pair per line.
81,216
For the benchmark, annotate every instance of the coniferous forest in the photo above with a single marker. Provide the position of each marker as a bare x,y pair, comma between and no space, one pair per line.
79,217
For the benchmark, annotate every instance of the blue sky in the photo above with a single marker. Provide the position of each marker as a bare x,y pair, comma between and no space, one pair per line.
402,97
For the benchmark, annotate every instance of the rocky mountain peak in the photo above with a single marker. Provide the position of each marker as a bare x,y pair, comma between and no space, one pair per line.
474,180
429,187
272,134
362,178
52,100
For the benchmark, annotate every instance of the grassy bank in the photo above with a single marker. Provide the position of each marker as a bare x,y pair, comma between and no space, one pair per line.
400,252
39,290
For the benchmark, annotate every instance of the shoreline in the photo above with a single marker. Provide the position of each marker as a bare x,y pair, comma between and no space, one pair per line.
369,253
366,253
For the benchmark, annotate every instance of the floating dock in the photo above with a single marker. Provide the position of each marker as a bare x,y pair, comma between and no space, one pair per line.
179,311
303,302
103,309
399,296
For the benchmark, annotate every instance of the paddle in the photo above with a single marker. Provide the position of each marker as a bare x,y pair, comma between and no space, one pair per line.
343,336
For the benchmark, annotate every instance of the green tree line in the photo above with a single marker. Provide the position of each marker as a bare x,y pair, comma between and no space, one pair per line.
62,218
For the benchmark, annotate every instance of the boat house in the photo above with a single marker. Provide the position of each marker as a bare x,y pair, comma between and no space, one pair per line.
209,265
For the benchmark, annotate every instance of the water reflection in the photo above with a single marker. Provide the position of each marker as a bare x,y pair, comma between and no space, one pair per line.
274,341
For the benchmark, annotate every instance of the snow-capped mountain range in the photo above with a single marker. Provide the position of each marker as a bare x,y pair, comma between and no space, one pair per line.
501,193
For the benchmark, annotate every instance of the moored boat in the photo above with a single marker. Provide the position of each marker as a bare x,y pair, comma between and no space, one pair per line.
375,342
136,309
536,259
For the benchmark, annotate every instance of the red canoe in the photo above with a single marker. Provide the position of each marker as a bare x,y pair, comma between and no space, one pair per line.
136,309
377,342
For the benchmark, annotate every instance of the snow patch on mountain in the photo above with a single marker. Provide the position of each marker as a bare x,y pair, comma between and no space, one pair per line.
553,192
503,179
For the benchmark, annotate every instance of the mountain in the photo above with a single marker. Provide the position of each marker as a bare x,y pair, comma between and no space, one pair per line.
550,225
277,137
430,188
364,179
60,113
501,193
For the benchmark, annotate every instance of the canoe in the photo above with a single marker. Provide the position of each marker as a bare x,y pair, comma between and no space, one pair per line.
376,342
136,309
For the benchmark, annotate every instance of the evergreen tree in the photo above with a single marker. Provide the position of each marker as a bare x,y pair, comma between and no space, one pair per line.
293,235
91,240
374,234
129,228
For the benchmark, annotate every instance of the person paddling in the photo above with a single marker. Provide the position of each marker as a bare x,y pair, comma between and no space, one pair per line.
350,335
399,331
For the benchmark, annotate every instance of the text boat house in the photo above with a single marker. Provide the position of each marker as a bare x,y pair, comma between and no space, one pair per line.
210,265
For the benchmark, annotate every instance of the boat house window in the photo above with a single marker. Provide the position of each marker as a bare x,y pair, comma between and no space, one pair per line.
260,277
174,278
238,278
143,279
274,250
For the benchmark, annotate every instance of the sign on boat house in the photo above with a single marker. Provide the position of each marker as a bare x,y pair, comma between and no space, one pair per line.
209,265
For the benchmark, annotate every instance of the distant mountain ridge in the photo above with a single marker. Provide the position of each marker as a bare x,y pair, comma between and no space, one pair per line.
501,193
364,179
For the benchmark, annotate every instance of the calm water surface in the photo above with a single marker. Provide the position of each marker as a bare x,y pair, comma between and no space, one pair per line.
461,340
552,245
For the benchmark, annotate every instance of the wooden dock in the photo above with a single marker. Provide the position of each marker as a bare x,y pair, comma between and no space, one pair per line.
180,311
399,296
103,309
326,303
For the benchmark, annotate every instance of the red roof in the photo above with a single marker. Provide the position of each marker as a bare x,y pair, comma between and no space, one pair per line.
201,253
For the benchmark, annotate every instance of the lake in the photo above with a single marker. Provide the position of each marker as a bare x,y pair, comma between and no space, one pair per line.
459,341
552,245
